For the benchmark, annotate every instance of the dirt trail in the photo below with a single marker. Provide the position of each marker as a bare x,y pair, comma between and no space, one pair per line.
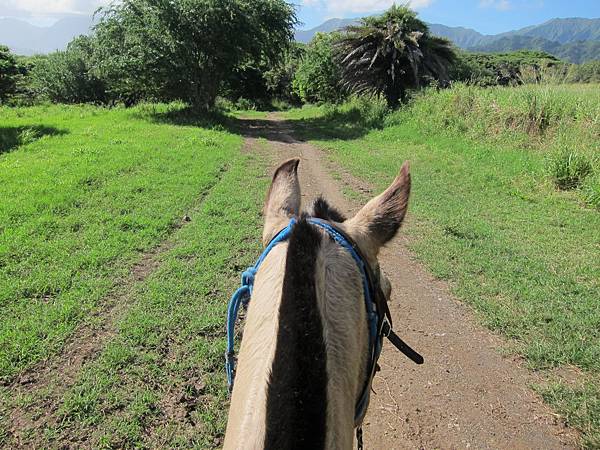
466,395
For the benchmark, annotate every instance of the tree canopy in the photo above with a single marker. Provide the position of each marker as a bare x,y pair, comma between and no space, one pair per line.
279,78
68,76
185,49
9,73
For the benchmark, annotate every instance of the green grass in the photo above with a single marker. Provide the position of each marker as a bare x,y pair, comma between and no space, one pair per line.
562,122
86,196
80,203
580,406
486,215
163,371
87,191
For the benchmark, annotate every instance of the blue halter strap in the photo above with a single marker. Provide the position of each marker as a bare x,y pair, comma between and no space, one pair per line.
242,296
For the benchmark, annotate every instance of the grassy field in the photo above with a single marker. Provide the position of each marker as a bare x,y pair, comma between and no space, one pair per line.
123,232
487,215
90,197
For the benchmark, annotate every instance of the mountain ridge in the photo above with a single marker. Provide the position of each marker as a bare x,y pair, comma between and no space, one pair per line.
574,39
26,39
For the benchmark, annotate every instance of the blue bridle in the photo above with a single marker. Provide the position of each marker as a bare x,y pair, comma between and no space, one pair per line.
243,294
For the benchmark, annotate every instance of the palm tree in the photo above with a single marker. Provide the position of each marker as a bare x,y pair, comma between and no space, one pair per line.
391,53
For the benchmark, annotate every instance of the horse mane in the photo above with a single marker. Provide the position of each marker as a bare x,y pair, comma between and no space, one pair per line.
296,415
321,209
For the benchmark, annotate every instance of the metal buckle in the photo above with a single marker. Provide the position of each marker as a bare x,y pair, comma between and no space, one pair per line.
386,329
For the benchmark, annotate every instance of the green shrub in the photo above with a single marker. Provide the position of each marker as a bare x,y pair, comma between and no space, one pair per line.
11,71
588,72
569,169
543,110
67,76
280,77
318,77
279,104
373,110
245,104
512,68
224,104
364,111
591,191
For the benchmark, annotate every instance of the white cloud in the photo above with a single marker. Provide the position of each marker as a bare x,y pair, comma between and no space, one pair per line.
500,5
360,6
40,8
45,8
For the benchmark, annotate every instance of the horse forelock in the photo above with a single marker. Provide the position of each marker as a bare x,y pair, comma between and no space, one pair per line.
321,209
296,412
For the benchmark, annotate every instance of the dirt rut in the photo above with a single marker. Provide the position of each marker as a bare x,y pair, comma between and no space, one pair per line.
466,395
45,384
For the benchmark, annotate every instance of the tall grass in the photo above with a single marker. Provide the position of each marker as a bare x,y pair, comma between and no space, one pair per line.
562,122
529,111
488,215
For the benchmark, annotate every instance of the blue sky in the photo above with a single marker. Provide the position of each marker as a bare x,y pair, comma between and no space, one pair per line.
485,16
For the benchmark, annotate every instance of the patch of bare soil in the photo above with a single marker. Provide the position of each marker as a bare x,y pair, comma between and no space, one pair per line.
36,394
467,394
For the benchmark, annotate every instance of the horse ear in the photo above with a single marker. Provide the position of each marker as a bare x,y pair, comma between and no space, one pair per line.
283,199
379,220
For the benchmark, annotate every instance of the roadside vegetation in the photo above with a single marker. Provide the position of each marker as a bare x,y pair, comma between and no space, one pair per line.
88,196
261,68
505,209
83,193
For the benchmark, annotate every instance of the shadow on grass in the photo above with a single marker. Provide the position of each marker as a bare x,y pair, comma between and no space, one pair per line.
13,137
334,125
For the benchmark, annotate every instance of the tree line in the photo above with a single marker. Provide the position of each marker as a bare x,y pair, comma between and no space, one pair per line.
243,51
160,50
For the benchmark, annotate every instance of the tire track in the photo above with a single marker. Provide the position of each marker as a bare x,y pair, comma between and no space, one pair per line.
36,394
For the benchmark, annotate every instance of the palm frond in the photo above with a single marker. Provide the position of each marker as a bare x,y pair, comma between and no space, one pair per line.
391,53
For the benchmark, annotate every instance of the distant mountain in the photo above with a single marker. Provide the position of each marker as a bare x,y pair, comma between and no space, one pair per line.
326,27
462,37
576,39
26,39
516,42
575,52
562,31
579,52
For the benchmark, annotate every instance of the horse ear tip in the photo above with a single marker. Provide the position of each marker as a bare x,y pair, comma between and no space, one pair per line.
289,166
405,169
